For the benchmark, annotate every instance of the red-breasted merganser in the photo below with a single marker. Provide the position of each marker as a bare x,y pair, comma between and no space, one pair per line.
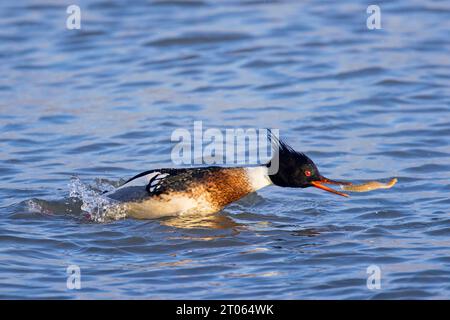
173,192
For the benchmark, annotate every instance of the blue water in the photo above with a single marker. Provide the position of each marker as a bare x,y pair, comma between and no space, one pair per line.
101,103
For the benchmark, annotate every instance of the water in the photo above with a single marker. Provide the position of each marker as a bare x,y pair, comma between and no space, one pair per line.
83,110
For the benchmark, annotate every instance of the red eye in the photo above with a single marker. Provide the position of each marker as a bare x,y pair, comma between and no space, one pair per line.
307,173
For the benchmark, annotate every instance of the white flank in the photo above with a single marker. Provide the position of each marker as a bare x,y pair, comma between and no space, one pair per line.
258,177
169,206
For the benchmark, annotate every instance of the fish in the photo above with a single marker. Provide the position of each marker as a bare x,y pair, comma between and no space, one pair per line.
369,186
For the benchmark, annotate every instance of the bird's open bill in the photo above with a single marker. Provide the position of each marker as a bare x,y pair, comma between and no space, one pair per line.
320,185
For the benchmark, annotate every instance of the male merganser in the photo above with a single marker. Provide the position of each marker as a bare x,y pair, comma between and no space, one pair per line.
172,192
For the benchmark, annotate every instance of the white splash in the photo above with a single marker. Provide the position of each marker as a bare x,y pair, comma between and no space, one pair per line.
98,207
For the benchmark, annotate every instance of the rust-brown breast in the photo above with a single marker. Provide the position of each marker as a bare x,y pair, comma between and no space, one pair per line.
225,186
213,187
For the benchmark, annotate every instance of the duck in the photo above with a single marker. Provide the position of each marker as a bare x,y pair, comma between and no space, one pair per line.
172,192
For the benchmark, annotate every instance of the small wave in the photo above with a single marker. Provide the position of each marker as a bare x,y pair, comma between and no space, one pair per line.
85,202
198,39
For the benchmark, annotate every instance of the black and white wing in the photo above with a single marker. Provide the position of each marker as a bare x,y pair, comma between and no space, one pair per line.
139,187
154,184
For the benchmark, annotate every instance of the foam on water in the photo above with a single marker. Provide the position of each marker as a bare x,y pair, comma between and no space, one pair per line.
84,201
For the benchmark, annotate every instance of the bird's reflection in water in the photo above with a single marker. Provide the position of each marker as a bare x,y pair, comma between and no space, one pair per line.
214,221
218,223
